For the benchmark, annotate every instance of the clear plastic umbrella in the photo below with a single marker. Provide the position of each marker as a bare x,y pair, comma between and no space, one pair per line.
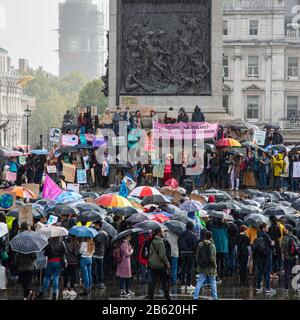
28,242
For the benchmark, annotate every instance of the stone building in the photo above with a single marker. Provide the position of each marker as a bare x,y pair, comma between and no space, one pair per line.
261,61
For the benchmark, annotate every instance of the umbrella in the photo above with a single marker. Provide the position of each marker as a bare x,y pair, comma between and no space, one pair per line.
289,196
69,197
251,202
84,207
126,211
182,217
28,242
201,214
295,149
159,217
64,210
210,147
191,206
83,232
111,231
171,208
148,225
10,153
253,192
235,152
136,205
219,215
125,234
139,217
45,202
38,213
112,200
90,194
279,147
250,210
219,206
260,200
278,211
256,220
172,183
249,144
144,191
53,231
91,216
3,229
23,192
155,199
175,226
274,126
228,142
40,152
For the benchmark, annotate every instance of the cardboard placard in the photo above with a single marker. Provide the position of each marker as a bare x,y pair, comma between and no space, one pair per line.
81,176
260,137
159,171
176,195
51,169
54,135
7,200
296,169
172,114
35,188
25,214
69,140
69,171
73,187
197,197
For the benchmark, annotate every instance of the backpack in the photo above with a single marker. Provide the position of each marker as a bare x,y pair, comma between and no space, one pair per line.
259,247
293,247
203,258
116,254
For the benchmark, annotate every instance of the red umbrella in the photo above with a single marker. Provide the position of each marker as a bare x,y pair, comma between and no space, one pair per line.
160,218
172,183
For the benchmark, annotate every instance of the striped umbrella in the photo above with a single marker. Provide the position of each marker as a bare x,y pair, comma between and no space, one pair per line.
113,200
28,242
22,192
144,191
69,197
228,142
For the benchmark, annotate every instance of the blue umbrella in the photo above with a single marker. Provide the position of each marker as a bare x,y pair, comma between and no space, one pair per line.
69,197
40,152
83,232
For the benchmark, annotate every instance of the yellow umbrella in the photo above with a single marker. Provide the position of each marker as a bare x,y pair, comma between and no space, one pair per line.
80,225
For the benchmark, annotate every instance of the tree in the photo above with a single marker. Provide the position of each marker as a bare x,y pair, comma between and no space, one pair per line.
92,95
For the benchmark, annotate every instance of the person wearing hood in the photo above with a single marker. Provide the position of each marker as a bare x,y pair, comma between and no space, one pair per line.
183,116
277,138
275,234
167,119
278,169
243,248
198,115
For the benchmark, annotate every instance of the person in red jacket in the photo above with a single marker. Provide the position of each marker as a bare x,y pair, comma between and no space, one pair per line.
143,261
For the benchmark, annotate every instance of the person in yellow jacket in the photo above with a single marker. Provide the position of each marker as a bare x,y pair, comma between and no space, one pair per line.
278,169
251,233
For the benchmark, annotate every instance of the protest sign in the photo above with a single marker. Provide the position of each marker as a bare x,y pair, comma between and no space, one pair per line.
69,140
25,214
54,134
296,170
7,200
158,171
260,137
73,187
99,141
69,172
172,114
52,220
130,183
11,176
22,160
81,176
35,188
51,169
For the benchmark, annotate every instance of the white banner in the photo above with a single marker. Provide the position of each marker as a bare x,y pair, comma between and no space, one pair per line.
69,140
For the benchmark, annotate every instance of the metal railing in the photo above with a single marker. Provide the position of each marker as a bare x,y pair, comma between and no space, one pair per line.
290,123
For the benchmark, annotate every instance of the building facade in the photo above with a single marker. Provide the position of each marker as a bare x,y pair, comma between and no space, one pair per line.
10,103
261,61
81,39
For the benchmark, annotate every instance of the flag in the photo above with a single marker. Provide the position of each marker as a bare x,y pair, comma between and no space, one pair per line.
50,189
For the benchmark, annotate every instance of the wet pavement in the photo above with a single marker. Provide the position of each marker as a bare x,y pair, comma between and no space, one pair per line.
228,290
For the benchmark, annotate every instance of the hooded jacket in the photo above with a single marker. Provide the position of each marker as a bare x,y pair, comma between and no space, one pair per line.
278,165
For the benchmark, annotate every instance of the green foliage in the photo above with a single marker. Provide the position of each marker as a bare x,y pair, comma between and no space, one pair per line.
92,95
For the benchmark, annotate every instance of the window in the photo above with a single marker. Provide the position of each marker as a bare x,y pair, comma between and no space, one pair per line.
252,107
226,66
292,108
225,28
293,67
226,102
253,66
253,27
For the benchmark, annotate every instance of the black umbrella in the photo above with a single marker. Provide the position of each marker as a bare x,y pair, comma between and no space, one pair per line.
210,147
295,149
139,217
155,199
13,213
64,210
175,226
253,192
255,220
84,207
219,206
274,126
125,234
149,225
126,211
45,202
278,211
250,210
251,202
249,145
235,152
171,208
219,215
90,194
91,216
182,218
107,227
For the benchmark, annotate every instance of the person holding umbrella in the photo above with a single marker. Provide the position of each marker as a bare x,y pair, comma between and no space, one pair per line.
124,267
87,249
243,246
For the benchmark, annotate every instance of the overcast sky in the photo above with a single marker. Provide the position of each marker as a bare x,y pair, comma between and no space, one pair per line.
28,30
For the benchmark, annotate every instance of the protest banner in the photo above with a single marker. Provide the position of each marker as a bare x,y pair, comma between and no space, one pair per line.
51,169
99,141
185,131
69,140
260,137
73,187
81,176
296,169
54,135
25,214
22,160
158,171
69,172
35,188
7,200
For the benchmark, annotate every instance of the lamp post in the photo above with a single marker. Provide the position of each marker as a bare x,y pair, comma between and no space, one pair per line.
27,114
5,132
